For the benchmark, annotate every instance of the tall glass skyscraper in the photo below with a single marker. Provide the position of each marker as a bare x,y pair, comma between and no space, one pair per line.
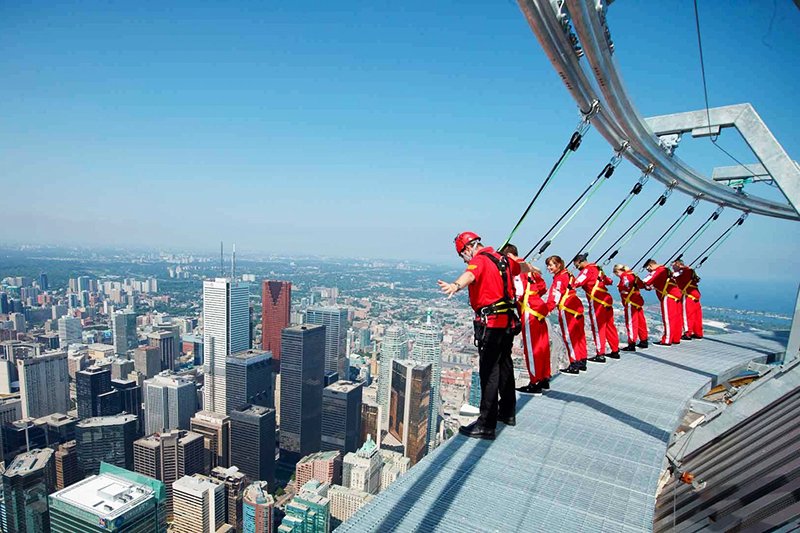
428,349
276,308
394,346
226,330
123,328
335,321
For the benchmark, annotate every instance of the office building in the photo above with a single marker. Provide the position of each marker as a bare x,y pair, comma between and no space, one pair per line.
309,511
216,432
130,400
105,439
341,416
68,470
69,331
19,324
92,386
234,482
121,368
409,407
170,402
475,389
394,346
44,384
394,465
147,360
198,504
369,421
276,308
248,380
302,372
115,500
168,343
226,331
27,481
257,508
428,349
10,408
123,329
253,442
335,321
344,502
362,470
325,467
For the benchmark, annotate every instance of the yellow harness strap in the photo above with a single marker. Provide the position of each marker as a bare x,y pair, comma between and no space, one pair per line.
527,308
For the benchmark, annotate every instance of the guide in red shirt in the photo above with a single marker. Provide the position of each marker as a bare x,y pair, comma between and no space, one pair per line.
660,280
601,307
633,306
562,296
687,281
489,277
530,287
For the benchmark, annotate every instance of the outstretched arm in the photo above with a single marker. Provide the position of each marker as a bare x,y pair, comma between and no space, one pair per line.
462,281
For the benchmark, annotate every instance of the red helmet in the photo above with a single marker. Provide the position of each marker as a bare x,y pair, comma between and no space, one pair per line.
463,239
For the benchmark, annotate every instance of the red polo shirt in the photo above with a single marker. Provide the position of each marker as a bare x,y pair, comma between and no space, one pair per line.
488,285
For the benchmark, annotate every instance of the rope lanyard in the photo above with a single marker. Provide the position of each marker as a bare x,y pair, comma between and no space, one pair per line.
670,230
637,188
638,224
580,201
696,235
573,144
718,242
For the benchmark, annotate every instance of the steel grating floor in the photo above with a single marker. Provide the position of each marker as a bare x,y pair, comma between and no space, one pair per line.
585,457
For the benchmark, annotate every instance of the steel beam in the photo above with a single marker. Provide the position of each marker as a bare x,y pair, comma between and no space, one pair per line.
741,172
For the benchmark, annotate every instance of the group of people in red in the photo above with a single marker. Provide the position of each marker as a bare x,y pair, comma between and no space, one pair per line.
510,296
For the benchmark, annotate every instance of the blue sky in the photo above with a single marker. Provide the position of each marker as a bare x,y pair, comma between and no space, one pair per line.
375,129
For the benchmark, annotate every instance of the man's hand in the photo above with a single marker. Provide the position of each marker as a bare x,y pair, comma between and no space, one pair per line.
448,288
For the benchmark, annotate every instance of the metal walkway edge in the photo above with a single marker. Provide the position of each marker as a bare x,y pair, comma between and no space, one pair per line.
585,457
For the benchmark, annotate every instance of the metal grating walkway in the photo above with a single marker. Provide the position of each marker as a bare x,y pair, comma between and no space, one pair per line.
585,457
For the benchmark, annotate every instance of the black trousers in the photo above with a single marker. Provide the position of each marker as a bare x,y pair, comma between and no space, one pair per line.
497,377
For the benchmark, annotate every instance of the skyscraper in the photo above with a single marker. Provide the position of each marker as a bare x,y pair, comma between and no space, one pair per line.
130,400
276,307
362,470
168,341
341,416
216,431
335,321
302,372
253,442
69,331
257,508
92,386
369,421
135,504
409,407
248,380
169,403
68,470
226,330
475,389
147,360
27,481
105,439
234,482
123,329
428,349
198,504
44,384
309,511
394,346
168,457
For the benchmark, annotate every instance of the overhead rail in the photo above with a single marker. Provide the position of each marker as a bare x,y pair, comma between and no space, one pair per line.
587,193
714,246
634,228
665,237
683,248
615,122
572,145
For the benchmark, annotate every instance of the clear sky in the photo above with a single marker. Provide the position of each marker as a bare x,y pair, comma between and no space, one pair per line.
376,129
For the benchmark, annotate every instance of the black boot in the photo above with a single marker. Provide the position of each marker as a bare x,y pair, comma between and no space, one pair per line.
614,355
642,344
631,347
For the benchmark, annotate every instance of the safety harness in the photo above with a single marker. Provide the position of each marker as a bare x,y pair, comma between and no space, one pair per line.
597,287
526,308
505,305
634,289
562,303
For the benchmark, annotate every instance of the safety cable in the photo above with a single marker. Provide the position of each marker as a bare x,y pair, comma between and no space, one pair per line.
696,235
718,242
573,144
591,189
670,230
637,188
638,224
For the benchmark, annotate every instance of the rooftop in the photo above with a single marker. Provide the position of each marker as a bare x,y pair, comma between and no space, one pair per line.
106,496
586,456
250,356
99,421
343,386
28,462
196,484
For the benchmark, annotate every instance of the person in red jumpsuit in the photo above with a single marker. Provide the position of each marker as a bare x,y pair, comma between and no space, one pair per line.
633,306
595,284
562,297
530,287
489,277
660,280
687,281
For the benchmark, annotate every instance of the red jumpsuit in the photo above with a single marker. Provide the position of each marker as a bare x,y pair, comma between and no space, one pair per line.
670,297
692,311
570,314
601,307
632,304
533,312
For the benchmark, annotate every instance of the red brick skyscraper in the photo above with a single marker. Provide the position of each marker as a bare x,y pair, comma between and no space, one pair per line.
276,306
